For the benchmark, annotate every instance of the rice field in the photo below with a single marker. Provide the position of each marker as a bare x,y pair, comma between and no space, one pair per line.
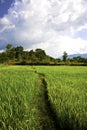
21,100
67,90
22,97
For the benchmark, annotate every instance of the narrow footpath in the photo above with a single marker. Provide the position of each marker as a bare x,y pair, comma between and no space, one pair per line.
52,121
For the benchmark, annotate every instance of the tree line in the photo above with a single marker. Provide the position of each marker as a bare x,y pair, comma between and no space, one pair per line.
18,56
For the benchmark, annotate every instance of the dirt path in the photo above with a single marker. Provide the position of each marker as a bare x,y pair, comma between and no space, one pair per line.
49,111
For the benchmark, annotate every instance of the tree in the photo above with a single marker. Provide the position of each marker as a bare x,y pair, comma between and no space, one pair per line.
65,56
3,57
8,51
8,47
40,54
19,52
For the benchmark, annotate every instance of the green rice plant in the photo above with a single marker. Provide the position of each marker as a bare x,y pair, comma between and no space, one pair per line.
22,103
21,99
17,89
67,90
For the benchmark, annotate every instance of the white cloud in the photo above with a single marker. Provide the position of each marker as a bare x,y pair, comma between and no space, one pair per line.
56,47
47,24
4,21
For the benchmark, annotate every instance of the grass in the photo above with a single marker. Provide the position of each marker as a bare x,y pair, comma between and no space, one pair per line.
17,89
22,97
22,104
67,90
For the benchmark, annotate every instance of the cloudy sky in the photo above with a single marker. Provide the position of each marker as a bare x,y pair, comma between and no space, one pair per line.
53,25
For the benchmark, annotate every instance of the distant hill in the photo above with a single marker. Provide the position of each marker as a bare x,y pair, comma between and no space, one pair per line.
75,55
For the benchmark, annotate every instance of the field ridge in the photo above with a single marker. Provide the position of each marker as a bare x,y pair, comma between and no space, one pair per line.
49,108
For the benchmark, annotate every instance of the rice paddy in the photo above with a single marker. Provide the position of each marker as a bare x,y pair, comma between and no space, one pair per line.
23,104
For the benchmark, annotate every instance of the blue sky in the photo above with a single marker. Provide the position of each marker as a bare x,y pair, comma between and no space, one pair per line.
4,6
53,25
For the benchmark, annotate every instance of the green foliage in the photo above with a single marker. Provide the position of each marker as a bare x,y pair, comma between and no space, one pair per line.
40,54
16,93
17,55
3,57
67,89
65,56
8,47
22,105
19,52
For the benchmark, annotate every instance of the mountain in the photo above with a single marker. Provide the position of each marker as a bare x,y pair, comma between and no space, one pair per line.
76,55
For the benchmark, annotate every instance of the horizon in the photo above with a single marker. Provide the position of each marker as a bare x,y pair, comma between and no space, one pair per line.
82,55
52,25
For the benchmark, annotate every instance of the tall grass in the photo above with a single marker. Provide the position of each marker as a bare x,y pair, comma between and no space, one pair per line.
17,89
22,105
67,90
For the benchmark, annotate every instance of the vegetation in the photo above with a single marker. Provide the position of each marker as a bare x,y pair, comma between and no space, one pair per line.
22,104
67,91
17,56
65,55
39,97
